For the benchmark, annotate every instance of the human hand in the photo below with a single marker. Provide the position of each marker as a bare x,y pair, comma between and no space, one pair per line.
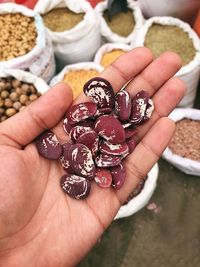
39,224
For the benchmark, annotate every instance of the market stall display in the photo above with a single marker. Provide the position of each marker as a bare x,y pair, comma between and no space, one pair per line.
24,42
171,34
73,28
18,89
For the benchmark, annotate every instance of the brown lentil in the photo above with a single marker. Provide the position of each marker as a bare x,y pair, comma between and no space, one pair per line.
62,19
23,99
186,140
77,78
8,103
161,38
18,35
33,97
122,23
4,94
16,97
111,56
3,118
17,105
10,112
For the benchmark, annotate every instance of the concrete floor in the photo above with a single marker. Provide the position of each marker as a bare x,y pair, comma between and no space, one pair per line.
169,238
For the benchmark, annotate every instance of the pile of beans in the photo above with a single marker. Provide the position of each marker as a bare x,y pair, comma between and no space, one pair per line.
102,134
185,141
15,95
18,35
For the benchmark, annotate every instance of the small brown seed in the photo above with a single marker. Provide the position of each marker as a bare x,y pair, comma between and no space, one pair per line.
32,89
2,110
19,91
10,112
1,103
4,94
3,118
16,83
17,105
23,99
13,96
33,97
8,86
25,88
2,86
8,103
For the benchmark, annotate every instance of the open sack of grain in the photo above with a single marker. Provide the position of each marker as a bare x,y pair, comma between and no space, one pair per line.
18,89
140,197
73,28
109,52
123,27
24,44
76,75
184,150
162,34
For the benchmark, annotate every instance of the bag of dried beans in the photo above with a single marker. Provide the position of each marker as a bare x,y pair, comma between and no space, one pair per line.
73,28
24,43
18,89
184,149
123,26
162,34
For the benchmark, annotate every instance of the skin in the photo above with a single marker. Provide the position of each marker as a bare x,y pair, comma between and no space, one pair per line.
39,224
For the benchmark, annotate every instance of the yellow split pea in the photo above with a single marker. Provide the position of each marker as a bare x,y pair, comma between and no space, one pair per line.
77,78
111,56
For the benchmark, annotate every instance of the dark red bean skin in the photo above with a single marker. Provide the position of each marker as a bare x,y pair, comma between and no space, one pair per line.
106,161
100,91
123,105
118,176
103,177
110,129
64,159
80,158
80,112
75,186
48,145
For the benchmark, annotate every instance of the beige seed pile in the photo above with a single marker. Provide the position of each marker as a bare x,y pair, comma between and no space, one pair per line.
111,56
186,140
15,96
18,35
77,78
161,38
62,19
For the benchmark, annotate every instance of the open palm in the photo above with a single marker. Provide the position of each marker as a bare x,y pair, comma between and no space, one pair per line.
39,224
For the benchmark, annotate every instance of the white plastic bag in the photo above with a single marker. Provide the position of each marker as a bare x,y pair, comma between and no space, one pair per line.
40,60
188,73
141,200
108,48
186,165
80,43
113,37
27,77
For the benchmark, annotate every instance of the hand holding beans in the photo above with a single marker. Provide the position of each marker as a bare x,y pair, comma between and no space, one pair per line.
37,216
